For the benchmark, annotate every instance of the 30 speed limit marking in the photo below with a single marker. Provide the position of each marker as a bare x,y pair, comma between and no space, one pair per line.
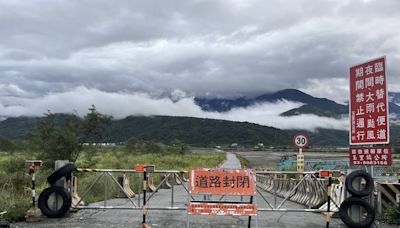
300,140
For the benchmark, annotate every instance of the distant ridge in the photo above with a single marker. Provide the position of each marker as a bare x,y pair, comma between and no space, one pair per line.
200,131
312,105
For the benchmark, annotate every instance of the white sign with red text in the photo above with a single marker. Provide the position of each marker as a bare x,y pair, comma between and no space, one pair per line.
300,140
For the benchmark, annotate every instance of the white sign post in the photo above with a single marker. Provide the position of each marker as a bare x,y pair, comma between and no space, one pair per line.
300,141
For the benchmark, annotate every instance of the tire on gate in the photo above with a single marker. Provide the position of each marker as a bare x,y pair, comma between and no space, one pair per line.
369,183
58,212
344,215
60,173
4,224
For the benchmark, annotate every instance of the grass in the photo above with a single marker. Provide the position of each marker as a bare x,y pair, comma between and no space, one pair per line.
15,182
243,161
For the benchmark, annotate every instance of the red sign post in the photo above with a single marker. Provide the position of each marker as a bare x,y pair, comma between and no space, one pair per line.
369,123
376,156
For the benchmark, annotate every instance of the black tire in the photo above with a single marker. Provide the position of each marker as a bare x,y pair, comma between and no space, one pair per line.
43,202
66,170
369,183
4,224
344,215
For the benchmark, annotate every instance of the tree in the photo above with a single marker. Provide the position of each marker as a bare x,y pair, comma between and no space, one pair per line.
6,144
177,147
94,123
57,137
134,145
60,136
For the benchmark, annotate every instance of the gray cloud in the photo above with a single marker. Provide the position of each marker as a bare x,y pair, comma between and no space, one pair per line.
201,47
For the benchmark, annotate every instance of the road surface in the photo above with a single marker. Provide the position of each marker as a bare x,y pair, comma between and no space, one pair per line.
231,162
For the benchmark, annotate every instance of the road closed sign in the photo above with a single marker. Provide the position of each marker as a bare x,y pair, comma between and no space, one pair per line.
300,140
222,181
225,182
369,122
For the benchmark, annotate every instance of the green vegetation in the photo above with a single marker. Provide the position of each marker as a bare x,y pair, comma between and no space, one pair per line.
94,126
312,109
243,161
67,137
57,140
390,215
15,182
195,132
15,192
61,137
7,144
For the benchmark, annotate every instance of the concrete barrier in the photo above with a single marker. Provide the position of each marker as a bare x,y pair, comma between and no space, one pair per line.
75,196
150,184
126,187
309,192
166,184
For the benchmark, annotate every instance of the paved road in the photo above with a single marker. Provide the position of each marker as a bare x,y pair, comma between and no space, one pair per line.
231,162
177,219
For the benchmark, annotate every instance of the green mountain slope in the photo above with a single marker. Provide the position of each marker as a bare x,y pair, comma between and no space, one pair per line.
310,109
193,131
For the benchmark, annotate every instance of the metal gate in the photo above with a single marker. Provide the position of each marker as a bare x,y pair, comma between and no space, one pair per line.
306,188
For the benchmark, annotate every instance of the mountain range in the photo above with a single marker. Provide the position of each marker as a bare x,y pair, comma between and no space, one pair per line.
205,132
311,105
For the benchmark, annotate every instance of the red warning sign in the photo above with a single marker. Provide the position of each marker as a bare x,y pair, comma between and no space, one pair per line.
222,209
222,182
377,156
369,122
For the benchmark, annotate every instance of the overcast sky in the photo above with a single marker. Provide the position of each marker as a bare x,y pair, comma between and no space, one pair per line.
52,50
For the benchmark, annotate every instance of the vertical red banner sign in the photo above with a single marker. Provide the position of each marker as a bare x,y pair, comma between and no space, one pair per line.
369,122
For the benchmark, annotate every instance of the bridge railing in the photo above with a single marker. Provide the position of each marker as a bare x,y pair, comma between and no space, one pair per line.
306,188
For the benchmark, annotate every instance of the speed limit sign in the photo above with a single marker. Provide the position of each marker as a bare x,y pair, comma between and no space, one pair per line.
300,140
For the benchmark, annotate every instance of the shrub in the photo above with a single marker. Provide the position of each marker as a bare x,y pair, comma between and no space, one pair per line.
7,144
390,215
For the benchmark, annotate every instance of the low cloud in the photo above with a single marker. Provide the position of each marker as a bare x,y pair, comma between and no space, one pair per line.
121,105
